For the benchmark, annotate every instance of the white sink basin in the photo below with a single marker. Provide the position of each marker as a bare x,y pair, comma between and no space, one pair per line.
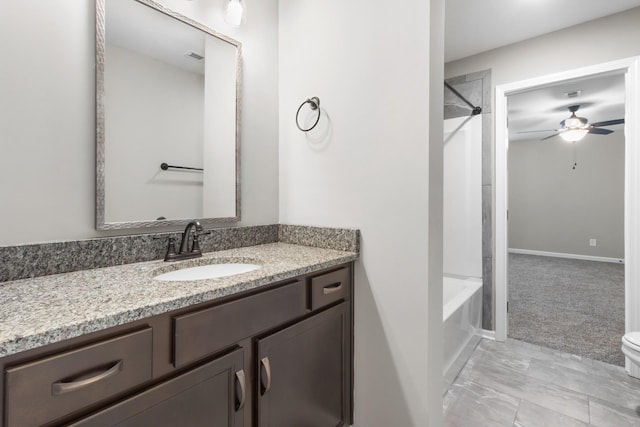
204,272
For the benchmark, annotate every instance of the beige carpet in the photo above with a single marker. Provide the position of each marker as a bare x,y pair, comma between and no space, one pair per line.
569,305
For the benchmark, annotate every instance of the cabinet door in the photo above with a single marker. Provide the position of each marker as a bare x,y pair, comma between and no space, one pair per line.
304,372
209,395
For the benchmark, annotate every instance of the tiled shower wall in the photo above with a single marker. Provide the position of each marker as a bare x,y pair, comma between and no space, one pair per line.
476,87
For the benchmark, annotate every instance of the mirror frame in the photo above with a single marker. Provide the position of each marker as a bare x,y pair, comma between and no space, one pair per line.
100,121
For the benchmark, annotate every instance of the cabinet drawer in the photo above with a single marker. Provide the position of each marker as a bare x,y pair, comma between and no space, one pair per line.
210,395
330,287
204,332
49,388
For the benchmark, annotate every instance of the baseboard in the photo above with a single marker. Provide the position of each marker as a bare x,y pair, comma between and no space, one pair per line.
562,255
487,334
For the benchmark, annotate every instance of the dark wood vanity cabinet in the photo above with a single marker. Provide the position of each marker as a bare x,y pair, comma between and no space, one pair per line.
279,356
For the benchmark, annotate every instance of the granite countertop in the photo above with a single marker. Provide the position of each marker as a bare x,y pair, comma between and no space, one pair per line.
43,310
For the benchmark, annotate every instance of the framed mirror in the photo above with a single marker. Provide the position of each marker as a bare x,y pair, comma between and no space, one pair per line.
167,118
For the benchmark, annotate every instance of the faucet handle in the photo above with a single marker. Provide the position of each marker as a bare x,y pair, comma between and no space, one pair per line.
195,246
171,249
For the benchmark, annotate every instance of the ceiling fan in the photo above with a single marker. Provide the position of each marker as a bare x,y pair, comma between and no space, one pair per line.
575,128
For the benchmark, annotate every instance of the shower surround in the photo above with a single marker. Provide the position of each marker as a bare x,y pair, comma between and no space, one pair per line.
476,87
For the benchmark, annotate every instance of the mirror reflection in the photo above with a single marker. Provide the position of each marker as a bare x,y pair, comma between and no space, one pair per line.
167,116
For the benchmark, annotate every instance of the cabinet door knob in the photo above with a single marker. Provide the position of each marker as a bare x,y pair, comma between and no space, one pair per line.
60,387
267,369
240,380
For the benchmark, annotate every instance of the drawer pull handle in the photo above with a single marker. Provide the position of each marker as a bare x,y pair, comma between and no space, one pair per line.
59,387
267,369
332,288
240,380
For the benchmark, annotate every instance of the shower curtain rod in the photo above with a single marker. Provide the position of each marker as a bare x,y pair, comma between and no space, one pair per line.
474,110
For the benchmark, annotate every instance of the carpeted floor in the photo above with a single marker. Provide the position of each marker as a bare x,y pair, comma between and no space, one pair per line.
569,305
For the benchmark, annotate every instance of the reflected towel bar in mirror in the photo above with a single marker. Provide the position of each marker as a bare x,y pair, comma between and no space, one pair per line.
165,167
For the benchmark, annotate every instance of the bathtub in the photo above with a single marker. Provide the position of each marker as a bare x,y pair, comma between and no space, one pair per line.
461,318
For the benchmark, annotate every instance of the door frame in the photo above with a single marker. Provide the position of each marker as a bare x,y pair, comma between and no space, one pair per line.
631,68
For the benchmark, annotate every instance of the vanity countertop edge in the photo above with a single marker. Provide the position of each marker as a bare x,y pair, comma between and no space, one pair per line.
48,309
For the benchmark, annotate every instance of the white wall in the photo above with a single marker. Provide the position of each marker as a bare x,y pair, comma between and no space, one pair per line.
154,112
219,193
367,166
47,116
555,208
462,210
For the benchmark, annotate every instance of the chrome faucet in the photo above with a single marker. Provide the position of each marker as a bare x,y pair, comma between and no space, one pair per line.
185,252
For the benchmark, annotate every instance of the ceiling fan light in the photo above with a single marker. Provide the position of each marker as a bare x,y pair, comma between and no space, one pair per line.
575,122
572,122
573,135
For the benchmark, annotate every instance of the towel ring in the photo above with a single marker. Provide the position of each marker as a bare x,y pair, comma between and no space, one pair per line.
314,103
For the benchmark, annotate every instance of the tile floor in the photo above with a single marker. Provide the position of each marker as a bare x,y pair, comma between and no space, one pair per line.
520,384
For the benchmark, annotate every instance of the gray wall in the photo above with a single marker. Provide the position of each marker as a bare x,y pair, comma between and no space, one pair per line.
47,116
555,208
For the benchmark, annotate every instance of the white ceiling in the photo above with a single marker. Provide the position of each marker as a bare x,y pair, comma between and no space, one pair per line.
474,26
601,98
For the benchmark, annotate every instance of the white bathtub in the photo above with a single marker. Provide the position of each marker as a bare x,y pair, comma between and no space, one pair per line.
461,317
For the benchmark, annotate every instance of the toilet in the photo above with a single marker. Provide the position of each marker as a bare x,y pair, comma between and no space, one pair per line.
631,347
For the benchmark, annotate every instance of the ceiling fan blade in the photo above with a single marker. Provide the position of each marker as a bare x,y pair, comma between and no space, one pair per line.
532,131
599,131
608,123
550,136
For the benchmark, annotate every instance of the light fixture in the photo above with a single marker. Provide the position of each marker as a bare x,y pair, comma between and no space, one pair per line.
574,122
574,134
233,12
574,128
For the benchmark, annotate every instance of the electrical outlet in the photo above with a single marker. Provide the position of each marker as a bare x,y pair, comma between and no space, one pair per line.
592,242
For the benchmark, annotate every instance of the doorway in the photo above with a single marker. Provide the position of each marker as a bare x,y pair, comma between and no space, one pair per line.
630,68
566,217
